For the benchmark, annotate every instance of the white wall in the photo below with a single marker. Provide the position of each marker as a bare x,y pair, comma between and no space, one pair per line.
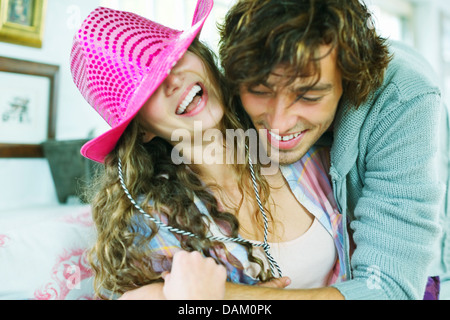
424,28
163,12
27,182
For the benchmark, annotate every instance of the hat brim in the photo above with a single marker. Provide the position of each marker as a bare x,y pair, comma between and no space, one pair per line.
98,148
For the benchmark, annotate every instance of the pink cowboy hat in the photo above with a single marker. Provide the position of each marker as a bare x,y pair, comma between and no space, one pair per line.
119,59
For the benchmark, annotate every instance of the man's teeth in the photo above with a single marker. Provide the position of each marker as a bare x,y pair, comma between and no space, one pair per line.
284,138
182,107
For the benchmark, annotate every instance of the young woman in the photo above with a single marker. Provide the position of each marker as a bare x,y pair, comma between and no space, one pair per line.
152,83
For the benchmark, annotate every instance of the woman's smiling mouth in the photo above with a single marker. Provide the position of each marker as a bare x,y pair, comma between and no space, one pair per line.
191,101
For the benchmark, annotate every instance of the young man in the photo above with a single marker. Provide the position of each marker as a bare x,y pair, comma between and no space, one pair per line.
309,72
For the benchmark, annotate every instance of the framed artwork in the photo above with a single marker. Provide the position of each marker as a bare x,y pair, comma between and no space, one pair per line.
22,21
27,107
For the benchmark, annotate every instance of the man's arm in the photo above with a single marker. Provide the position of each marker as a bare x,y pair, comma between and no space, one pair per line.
395,216
246,292
152,291
272,290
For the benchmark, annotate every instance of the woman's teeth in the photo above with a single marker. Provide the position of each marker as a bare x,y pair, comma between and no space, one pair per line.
190,96
284,138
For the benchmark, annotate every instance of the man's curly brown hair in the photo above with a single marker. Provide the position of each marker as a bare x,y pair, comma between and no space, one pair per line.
259,35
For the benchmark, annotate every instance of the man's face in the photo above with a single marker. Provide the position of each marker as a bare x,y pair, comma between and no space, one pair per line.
290,118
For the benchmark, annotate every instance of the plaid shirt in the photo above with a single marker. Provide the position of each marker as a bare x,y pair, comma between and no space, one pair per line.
309,182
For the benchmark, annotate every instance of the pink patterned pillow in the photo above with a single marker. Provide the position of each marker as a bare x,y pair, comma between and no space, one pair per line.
43,253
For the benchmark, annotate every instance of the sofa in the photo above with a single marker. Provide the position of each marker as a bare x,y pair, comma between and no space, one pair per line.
43,253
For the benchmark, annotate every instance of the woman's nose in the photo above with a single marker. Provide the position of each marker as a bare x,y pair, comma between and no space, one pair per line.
172,83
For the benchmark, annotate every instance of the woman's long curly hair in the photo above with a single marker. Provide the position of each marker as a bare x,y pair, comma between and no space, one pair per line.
259,35
121,258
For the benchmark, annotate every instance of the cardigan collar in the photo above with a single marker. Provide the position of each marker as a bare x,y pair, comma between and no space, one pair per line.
347,128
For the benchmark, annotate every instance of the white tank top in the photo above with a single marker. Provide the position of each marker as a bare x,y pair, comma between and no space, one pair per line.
307,260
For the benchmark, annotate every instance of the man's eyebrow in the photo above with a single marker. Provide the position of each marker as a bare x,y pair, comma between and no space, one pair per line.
323,87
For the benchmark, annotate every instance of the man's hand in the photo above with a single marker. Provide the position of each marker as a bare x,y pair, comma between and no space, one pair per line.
194,277
280,283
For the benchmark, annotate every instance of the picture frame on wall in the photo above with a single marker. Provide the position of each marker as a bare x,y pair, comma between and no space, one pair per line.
22,22
27,107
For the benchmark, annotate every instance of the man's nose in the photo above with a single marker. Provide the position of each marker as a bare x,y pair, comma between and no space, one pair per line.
280,116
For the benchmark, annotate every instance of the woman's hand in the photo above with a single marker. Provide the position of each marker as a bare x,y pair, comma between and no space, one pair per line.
194,277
